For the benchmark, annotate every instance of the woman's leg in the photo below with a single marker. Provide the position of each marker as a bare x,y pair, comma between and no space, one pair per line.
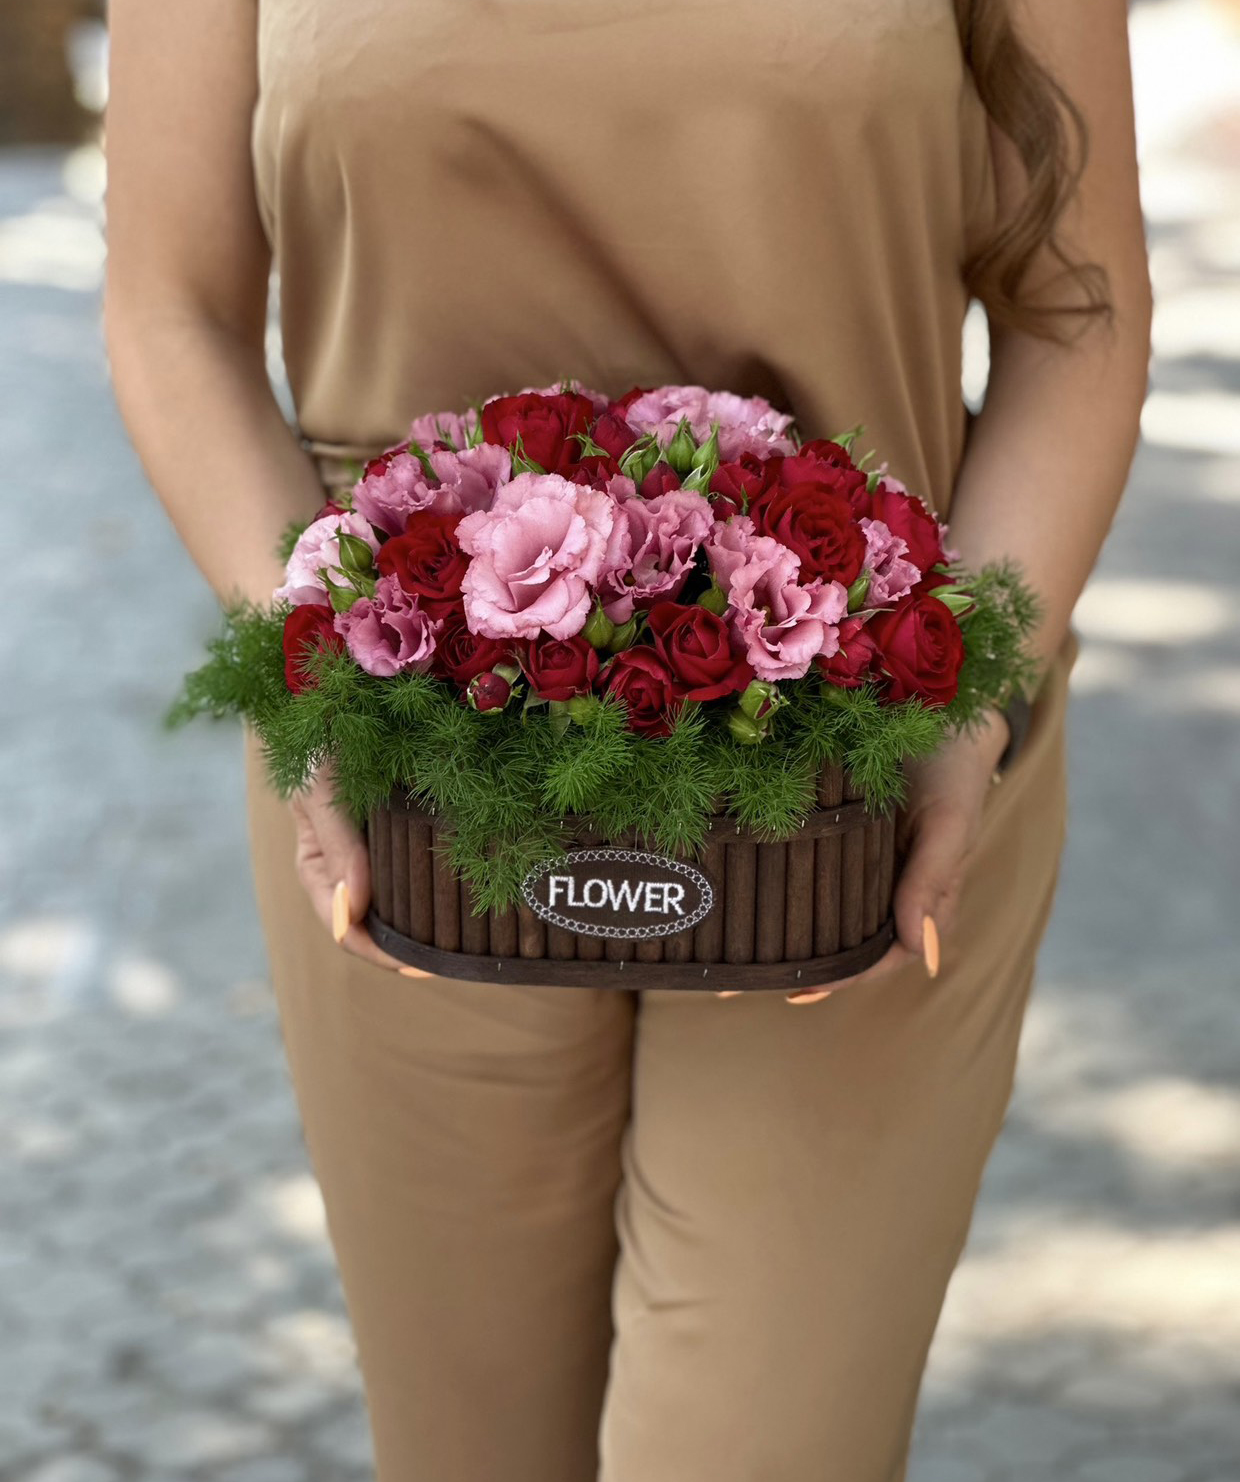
799,1182
466,1140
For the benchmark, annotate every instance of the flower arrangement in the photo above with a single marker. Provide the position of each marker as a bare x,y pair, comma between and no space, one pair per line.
641,611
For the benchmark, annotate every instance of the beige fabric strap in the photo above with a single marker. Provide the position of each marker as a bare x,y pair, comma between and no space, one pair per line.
339,465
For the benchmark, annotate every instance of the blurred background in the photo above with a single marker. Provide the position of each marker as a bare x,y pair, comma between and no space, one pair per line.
168,1306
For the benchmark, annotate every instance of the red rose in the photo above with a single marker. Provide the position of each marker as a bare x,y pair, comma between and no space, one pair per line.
308,628
461,655
330,508
920,649
696,646
661,478
612,432
488,692
735,486
559,668
825,451
906,516
427,561
623,403
838,478
849,666
594,470
545,425
814,522
640,678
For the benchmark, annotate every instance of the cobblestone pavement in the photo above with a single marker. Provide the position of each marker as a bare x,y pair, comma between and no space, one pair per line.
168,1307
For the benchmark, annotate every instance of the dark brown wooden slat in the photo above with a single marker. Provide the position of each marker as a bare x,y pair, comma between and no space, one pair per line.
828,868
887,868
419,888
708,934
799,916
531,932
561,944
740,894
770,901
446,895
589,949
852,887
475,930
505,932
380,837
873,869
399,831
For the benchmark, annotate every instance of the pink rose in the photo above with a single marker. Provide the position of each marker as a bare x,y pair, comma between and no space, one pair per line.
746,424
652,550
396,485
318,547
536,553
389,631
891,574
781,626
450,427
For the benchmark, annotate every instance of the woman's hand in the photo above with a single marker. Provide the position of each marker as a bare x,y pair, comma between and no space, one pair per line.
334,868
939,828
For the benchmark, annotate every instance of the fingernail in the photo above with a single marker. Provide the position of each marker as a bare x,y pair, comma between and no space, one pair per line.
413,972
729,992
930,945
340,910
809,997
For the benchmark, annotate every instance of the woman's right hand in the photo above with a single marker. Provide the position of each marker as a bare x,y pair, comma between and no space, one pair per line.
334,868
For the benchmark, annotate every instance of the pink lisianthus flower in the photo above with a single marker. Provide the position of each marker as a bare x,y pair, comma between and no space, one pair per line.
652,549
536,554
747,424
396,485
318,547
450,427
389,631
891,573
782,626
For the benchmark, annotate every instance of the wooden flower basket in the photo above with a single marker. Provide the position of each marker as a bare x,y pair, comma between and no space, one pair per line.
744,914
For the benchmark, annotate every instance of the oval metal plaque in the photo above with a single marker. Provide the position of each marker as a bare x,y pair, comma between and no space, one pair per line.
619,893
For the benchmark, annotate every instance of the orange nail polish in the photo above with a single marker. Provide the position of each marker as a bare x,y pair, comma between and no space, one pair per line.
413,972
809,997
930,945
728,993
340,911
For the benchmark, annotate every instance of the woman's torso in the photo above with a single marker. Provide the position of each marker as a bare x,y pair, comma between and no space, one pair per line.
772,196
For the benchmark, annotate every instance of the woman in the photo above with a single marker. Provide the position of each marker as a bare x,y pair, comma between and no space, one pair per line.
695,1239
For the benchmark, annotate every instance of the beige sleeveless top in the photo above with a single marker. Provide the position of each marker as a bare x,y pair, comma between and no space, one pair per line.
769,196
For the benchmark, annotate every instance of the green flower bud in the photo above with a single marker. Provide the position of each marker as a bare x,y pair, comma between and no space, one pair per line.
640,458
581,707
760,698
355,554
341,596
857,592
682,448
747,732
714,599
599,629
623,636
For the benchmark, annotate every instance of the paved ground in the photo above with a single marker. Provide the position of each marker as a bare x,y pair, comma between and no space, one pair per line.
167,1303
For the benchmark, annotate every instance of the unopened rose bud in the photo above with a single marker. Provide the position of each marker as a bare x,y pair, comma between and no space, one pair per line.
747,732
714,599
355,554
706,459
759,699
680,451
623,636
490,691
599,629
857,592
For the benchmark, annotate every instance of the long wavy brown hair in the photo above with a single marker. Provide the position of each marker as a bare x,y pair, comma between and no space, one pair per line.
1027,104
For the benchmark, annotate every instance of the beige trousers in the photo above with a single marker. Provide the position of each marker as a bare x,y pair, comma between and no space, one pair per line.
658,1237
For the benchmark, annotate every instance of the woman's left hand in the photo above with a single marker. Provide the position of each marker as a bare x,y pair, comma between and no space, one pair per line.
939,827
